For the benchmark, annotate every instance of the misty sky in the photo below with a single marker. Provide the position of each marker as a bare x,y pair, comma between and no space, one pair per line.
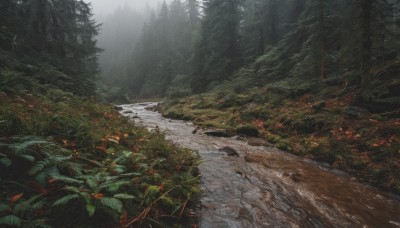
105,7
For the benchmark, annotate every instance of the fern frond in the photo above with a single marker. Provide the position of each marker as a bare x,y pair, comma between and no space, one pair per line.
114,186
90,209
65,200
39,166
27,157
11,220
75,168
37,223
72,189
49,172
66,179
112,203
3,207
124,196
6,162
93,184
28,206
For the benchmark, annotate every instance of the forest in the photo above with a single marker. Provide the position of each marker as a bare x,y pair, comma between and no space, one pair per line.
318,79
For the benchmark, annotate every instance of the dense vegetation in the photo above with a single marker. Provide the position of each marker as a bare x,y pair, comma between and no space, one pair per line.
318,78
65,159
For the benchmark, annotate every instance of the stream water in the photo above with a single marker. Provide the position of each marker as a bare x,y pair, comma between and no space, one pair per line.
265,187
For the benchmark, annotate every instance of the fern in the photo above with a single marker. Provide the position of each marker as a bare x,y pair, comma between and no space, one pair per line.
124,196
112,203
68,180
29,206
11,220
114,186
6,162
65,200
39,166
90,209
3,207
49,172
38,223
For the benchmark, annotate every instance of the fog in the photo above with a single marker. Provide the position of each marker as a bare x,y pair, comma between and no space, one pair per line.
121,27
102,8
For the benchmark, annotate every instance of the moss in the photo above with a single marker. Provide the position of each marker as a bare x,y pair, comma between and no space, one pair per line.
248,130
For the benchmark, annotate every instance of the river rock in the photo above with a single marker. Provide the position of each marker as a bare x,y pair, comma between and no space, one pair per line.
118,108
229,151
248,130
218,133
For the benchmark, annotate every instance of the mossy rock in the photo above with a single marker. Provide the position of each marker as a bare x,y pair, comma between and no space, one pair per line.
248,130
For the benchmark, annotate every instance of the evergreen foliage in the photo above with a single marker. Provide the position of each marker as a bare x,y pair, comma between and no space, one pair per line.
57,35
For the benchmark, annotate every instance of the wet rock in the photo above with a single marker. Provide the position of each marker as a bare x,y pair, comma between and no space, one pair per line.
195,130
248,130
128,112
118,108
218,133
244,213
295,176
229,151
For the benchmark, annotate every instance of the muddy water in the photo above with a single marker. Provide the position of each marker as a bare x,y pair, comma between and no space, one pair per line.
265,187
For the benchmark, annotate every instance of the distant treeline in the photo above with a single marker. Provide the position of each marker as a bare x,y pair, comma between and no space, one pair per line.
185,50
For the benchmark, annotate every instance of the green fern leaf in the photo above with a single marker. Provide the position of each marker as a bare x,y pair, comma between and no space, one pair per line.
11,220
124,196
93,184
112,203
39,166
38,223
64,200
3,207
68,180
115,186
72,189
49,172
90,209
6,162
27,157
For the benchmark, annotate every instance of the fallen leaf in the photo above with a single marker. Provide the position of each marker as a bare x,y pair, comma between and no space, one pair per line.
98,195
16,197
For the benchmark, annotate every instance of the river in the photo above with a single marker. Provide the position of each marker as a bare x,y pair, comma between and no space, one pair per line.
266,187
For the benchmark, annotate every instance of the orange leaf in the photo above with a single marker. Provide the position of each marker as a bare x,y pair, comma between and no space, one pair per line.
98,195
376,145
161,187
16,197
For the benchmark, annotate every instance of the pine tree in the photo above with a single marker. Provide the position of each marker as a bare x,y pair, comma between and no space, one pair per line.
217,53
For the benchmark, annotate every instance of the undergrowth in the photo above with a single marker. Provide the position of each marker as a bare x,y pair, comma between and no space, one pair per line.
71,162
